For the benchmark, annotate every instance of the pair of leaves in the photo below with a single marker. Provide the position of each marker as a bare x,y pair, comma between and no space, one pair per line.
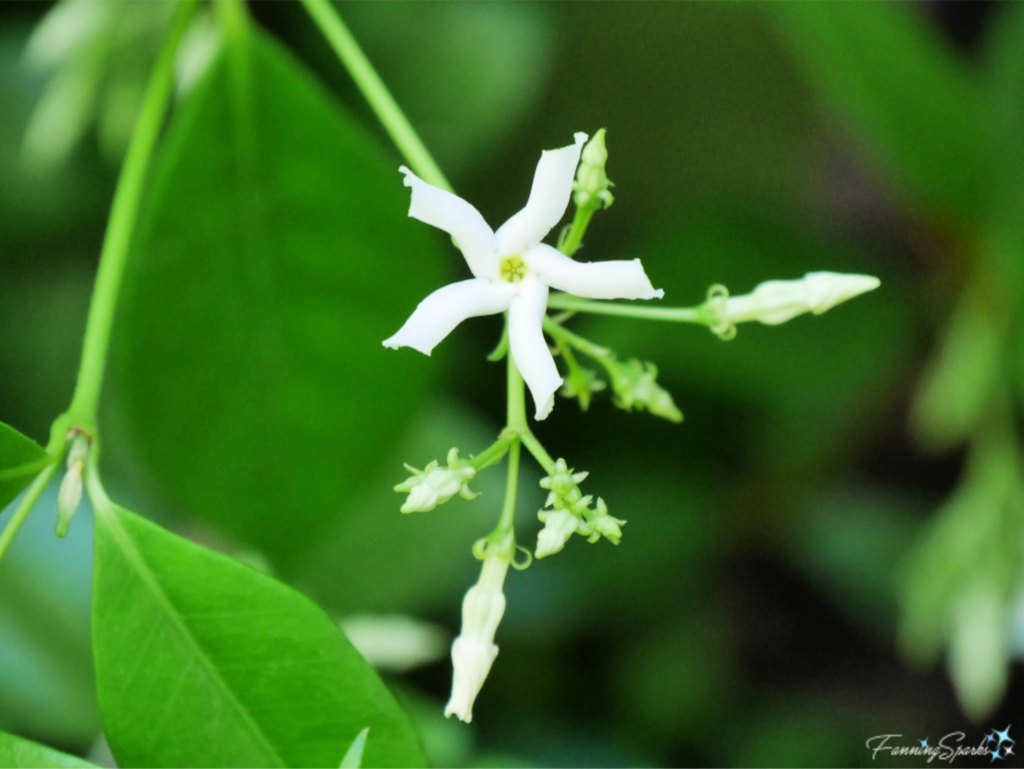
21,459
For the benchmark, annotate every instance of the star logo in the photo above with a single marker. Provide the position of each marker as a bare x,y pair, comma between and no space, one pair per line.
924,742
1004,736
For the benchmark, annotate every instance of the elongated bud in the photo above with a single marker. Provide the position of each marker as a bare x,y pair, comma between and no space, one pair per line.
473,652
776,301
592,182
70,495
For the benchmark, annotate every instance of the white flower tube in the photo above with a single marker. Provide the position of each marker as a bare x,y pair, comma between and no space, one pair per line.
473,652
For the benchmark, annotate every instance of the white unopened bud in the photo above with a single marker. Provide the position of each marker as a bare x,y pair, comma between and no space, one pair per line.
776,301
473,652
559,526
435,485
70,495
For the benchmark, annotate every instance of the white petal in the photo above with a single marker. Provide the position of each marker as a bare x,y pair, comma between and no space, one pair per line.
529,350
593,280
549,197
459,219
827,289
438,314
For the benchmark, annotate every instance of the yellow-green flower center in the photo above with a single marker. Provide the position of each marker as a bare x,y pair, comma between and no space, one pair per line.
512,269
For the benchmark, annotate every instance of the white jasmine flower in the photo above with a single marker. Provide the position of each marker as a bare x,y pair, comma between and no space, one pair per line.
513,271
473,652
435,485
776,301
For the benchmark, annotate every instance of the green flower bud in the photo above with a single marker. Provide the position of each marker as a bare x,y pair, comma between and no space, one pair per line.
70,495
636,387
592,182
435,485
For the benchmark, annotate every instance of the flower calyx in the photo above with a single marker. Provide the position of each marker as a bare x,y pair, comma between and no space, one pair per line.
434,485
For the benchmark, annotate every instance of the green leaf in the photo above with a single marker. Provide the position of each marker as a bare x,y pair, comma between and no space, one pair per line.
201,661
907,96
16,753
21,459
274,257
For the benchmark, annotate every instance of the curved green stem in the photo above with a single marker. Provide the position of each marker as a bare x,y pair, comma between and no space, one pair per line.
121,225
676,314
508,511
492,454
539,452
368,81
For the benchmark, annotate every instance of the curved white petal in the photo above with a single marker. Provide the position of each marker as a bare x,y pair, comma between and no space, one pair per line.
438,314
529,350
459,219
549,197
593,280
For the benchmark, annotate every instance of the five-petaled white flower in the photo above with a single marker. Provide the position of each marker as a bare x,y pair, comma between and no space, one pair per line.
513,271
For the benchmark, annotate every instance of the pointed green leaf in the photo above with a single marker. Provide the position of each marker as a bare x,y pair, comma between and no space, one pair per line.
21,459
906,96
274,256
16,753
353,758
201,661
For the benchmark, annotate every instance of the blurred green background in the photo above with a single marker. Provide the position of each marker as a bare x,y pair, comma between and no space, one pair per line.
806,554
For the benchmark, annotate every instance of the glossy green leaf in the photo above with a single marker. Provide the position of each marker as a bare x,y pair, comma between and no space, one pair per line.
16,753
903,92
201,661
21,459
274,256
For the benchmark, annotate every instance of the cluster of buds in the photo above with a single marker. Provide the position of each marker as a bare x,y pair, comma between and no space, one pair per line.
567,512
434,485
776,301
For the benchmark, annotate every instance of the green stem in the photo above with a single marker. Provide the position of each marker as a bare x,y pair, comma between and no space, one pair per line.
564,335
120,227
539,452
492,454
25,506
508,511
574,239
376,93
676,314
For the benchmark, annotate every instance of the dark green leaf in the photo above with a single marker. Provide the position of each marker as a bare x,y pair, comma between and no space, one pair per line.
16,753
908,98
21,459
275,256
201,661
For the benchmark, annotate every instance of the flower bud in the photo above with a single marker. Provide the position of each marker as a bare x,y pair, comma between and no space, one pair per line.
70,495
592,183
559,525
435,485
776,301
600,524
474,651
636,387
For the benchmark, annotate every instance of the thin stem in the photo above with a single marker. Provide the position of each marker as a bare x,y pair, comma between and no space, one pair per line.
676,314
574,239
564,335
508,511
492,454
120,227
539,452
368,81
25,506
